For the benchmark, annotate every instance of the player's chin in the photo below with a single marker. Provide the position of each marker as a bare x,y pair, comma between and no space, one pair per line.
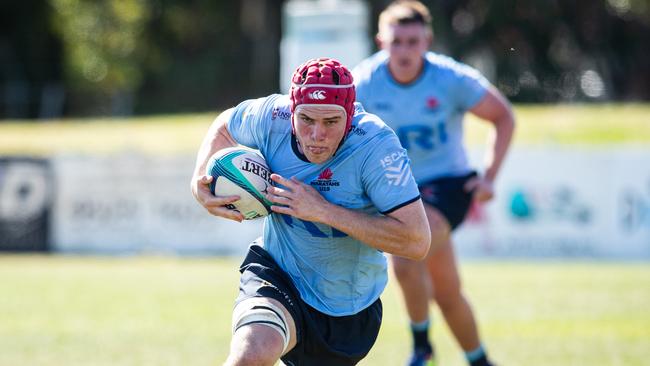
318,158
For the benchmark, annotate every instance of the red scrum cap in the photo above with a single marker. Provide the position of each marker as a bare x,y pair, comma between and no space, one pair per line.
323,81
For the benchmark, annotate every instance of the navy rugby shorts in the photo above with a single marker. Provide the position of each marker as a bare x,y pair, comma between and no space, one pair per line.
322,340
448,196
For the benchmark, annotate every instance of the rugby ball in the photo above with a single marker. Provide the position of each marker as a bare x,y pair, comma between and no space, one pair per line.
242,172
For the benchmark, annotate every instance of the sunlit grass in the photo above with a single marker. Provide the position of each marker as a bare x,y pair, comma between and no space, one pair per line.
176,311
585,124
160,134
561,124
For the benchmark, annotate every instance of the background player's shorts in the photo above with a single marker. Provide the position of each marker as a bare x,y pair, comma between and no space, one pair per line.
322,340
448,196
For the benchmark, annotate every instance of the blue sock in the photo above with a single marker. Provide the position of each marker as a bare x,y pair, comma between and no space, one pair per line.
421,325
477,357
420,333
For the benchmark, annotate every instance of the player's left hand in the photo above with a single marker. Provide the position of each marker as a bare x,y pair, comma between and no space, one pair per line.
483,189
297,199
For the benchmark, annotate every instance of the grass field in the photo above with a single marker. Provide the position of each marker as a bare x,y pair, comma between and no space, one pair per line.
66,310
60,310
562,124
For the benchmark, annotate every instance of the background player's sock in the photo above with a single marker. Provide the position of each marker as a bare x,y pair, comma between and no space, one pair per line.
420,332
477,357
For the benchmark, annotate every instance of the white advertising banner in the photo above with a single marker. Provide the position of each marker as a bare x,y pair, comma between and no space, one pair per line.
560,202
551,202
137,204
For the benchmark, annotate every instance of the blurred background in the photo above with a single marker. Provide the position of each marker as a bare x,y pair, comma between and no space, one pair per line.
107,259
125,57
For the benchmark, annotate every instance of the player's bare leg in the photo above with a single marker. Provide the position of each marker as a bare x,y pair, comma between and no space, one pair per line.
255,345
260,345
415,284
412,275
453,304
448,295
412,279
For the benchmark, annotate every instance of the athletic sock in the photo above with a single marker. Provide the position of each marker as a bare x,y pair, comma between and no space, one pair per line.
420,332
477,357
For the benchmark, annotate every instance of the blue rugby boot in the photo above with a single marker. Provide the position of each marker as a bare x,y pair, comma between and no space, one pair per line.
422,357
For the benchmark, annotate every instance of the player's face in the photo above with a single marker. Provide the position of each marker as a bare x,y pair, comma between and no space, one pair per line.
319,130
406,45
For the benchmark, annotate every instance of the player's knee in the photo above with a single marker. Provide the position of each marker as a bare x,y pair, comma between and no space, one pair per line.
448,297
251,356
260,312
406,269
440,228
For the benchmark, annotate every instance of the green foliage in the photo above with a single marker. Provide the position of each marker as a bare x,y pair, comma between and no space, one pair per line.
65,310
168,56
104,42
125,56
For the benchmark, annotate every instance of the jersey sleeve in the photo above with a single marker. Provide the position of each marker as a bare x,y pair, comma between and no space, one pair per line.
386,175
470,86
248,124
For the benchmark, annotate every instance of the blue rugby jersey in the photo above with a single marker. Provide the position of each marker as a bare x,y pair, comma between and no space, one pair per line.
427,114
334,273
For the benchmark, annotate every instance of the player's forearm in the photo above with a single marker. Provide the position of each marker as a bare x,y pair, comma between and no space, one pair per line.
504,129
410,239
216,138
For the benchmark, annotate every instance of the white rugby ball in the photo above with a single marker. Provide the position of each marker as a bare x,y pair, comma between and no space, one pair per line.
244,173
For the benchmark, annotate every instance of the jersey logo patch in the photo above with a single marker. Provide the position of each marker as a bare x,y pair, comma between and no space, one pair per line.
326,174
278,113
398,175
357,131
397,169
324,182
432,103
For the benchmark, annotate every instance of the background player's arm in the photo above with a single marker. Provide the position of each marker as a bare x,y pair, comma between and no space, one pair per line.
404,232
494,108
217,138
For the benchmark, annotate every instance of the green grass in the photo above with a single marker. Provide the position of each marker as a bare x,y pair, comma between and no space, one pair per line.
561,124
161,134
176,311
59,310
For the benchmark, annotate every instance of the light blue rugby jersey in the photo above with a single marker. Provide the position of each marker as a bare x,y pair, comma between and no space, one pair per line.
334,273
426,114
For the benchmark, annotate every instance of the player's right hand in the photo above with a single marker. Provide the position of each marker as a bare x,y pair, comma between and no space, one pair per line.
215,205
481,188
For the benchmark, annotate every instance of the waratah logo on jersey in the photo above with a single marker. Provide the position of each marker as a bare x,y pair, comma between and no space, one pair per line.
317,95
432,103
396,168
283,114
325,181
326,174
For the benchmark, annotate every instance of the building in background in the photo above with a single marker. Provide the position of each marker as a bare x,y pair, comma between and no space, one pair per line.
322,28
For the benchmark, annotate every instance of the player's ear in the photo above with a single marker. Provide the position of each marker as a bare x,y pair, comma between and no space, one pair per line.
378,42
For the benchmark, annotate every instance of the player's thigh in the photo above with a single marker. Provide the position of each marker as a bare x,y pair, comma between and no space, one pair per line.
405,268
440,228
443,270
255,344
264,321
